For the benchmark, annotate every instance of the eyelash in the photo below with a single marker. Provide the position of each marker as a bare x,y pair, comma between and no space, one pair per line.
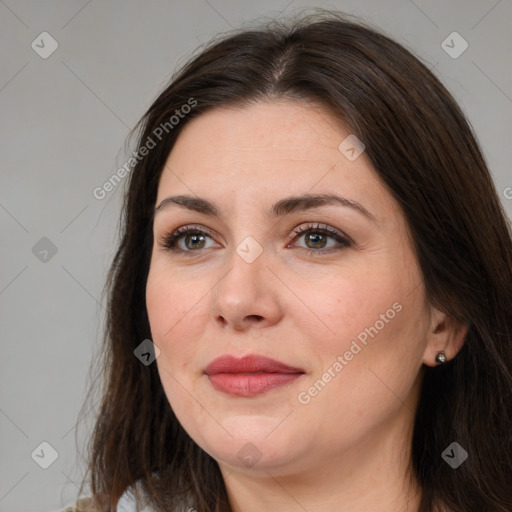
168,241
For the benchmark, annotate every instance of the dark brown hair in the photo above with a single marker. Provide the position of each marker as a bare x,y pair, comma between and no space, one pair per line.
425,152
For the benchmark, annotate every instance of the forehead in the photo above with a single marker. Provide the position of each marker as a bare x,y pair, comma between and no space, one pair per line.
271,130
267,150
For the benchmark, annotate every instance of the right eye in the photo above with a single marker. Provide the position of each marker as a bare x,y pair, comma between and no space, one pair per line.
186,239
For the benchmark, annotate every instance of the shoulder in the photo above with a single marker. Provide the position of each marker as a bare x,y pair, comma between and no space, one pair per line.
85,505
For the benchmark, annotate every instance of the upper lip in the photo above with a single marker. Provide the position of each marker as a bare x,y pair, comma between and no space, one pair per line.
248,364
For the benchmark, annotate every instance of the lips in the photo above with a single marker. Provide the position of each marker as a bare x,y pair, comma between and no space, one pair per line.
250,375
248,364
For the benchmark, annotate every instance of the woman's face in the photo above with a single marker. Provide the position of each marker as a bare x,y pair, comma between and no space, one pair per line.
330,289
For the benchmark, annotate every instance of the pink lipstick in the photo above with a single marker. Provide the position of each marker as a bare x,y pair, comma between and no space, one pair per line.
250,375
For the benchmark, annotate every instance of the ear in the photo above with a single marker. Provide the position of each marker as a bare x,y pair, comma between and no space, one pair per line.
445,334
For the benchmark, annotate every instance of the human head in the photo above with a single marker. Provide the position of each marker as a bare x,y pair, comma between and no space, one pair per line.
458,233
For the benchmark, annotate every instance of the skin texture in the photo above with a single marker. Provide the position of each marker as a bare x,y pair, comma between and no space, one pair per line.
349,444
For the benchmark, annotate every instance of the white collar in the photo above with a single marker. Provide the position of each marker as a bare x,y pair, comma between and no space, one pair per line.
127,503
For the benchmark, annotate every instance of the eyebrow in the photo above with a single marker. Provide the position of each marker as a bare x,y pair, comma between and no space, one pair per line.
282,207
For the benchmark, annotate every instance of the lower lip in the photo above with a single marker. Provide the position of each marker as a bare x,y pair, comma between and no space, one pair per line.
250,384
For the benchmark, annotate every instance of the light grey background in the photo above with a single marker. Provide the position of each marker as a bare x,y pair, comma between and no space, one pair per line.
64,120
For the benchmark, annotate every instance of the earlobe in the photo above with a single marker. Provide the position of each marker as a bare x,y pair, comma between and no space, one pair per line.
444,341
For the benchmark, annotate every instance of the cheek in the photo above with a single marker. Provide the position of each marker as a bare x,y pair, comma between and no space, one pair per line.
375,323
176,317
173,311
342,309
169,300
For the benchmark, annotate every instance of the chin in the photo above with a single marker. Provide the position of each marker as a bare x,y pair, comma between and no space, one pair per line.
255,445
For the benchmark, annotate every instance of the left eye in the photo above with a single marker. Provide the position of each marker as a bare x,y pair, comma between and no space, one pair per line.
316,238
192,239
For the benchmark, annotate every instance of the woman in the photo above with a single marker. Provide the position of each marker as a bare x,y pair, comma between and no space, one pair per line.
310,308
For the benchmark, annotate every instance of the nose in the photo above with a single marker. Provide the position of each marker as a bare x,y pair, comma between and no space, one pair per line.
248,295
